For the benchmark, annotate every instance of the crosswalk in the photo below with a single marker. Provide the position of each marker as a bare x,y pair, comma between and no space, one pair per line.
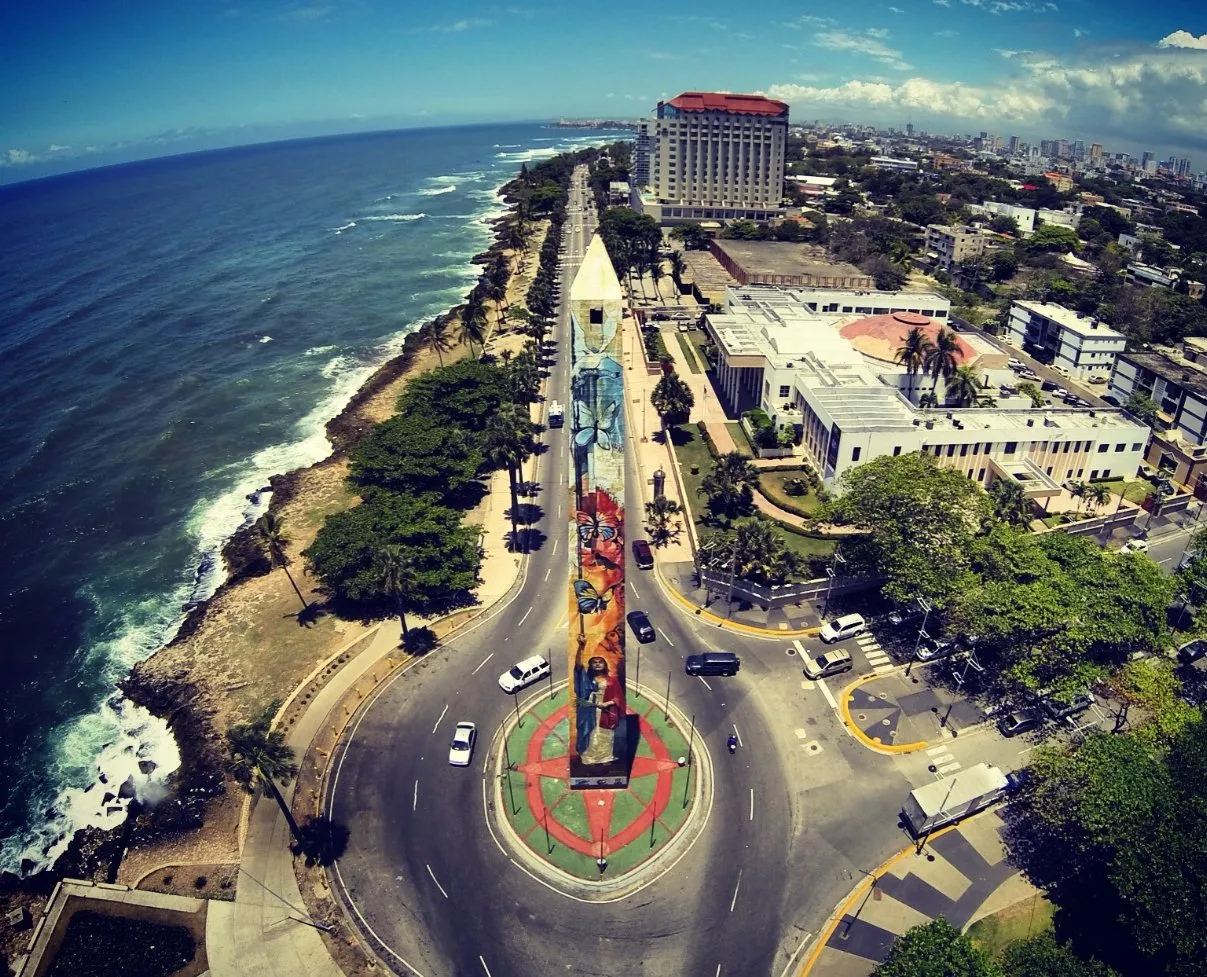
880,662
942,760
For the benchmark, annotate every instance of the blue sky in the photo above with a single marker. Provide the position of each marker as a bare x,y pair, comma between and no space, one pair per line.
84,82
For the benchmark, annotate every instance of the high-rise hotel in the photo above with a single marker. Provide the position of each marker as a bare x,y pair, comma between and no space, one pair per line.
714,155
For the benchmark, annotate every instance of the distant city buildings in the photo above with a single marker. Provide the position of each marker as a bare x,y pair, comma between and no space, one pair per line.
716,156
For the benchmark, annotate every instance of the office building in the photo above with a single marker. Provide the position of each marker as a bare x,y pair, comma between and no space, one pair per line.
716,156
833,380
1177,384
1014,145
641,153
1080,344
950,246
1096,154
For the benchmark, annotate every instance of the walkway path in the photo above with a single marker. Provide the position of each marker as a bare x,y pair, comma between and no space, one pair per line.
960,873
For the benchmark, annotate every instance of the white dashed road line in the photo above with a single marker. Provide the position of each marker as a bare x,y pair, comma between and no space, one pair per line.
437,881
483,662
825,690
668,640
442,712
706,685
880,662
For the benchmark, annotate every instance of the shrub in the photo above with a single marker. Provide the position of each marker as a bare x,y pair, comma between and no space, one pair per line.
200,882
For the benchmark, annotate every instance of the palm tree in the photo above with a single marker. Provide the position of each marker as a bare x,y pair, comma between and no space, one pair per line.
397,577
660,520
677,266
913,353
434,336
1079,490
271,533
1010,504
473,329
656,275
965,387
1096,495
759,548
672,399
508,445
258,754
942,357
730,485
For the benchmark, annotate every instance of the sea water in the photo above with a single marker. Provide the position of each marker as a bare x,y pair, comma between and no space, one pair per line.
172,333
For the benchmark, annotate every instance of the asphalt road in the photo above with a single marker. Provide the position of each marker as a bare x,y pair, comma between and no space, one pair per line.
798,813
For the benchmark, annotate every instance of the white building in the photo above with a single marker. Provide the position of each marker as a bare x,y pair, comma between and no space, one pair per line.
1080,344
1062,218
1024,217
889,163
831,379
717,156
642,152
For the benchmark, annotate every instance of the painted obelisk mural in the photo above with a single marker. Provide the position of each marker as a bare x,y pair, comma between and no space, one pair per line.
598,749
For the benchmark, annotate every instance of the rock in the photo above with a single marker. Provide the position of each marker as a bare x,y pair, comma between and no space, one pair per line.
109,795
126,790
18,919
147,766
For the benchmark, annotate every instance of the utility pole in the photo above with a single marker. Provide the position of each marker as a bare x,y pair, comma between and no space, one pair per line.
733,572
831,572
925,605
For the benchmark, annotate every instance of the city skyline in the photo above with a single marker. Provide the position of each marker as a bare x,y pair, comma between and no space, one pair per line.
124,81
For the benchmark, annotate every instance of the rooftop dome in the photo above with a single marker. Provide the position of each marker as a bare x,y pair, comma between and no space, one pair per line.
880,336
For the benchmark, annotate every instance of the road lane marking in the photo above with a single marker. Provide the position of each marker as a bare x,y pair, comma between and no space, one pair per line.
706,685
415,796
936,749
484,967
718,973
634,586
735,891
442,712
825,690
751,803
482,662
954,765
668,640
804,942
556,539
524,618
436,880
547,572
738,735
800,649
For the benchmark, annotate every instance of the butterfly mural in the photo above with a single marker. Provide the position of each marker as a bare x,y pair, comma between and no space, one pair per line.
598,428
590,600
593,526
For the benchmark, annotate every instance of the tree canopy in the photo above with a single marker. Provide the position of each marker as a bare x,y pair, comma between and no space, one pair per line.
936,949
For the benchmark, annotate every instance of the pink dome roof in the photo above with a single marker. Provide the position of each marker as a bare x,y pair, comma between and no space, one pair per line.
880,336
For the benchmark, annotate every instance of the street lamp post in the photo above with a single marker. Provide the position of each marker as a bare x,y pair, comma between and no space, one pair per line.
831,572
925,605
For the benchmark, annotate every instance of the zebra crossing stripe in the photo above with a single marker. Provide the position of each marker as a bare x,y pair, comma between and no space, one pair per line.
954,765
936,750
882,669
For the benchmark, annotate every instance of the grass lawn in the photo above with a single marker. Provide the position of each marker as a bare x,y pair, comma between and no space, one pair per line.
1137,490
1028,918
772,484
807,545
689,353
740,438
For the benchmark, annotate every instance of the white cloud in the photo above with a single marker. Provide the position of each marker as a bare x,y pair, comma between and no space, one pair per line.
1149,93
1079,32
453,26
307,14
54,147
808,20
947,33
1184,39
662,56
868,43
942,3
896,10
19,157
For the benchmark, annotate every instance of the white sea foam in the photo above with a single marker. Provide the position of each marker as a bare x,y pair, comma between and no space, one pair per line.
527,155
265,339
346,227
318,350
394,217
507,145
436,191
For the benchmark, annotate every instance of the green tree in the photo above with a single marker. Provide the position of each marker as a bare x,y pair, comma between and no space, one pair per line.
965,387
418,453
1043,956
672,399
461,395
936,949
729,485
920,521
662,520
1004,224
693,236
762,555
1143,408
677,266
473,328
258,754
1010,503
508,445
913,354
434,335
942,357
1054,237
397,579
1096,495
1032,391
270,530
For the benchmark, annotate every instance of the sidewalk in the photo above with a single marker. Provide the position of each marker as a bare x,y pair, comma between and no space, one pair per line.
897,713
261,932
961,874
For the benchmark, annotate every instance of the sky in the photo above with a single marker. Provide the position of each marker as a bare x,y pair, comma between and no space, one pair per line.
85,83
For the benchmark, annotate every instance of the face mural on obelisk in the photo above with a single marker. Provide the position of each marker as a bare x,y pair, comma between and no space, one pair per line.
598,742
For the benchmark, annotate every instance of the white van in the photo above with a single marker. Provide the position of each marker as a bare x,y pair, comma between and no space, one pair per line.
842,628
522,674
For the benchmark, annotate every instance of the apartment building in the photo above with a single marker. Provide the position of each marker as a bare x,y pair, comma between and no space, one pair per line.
642,152
717,156
950,246
1024,217
1177,384
1080,344
842,400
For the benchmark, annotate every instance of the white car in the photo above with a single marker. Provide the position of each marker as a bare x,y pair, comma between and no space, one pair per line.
1016,364
827,663
842,628
461,750
1134,546
522,674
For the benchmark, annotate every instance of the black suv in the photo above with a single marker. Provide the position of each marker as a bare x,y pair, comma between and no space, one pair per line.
641,626
713,663
643,554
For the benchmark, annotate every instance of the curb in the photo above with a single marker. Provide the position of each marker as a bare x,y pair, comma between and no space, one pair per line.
726,623
872,744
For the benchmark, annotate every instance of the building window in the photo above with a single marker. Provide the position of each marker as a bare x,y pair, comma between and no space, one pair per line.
896,451
597,317
1120,447
1011,446
1136,446
1103,448
855,452
784,390
1069,473
980,476
1106,473
1049,469
1080,471
1093,474
963,450
951,450
1068,445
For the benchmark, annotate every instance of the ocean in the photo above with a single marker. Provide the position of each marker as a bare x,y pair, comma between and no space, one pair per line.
173,332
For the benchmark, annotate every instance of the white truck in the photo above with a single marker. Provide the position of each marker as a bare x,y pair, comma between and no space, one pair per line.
952,798
556,415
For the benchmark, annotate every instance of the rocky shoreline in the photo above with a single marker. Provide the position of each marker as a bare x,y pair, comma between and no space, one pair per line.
184,699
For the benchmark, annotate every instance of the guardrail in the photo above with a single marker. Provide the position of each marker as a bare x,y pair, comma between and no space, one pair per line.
774,597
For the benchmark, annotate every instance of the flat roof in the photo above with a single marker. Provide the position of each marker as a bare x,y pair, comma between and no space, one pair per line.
1185,374
1082,325
784,258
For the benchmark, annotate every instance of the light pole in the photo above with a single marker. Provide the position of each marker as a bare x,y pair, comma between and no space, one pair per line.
969,662
925,605
831,572
1190,533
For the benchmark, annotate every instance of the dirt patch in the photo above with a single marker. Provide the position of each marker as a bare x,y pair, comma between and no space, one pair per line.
204,881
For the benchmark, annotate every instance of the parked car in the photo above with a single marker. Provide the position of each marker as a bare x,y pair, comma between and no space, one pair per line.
1112,400
461,750
523,674
903,615
1061,370
1134,546
1025,374
640,623
1016,780
1099,379
842,628
713,663
936,648
1060,708
643,555
829,663
1192,651
1016,364
1051,385
1018,722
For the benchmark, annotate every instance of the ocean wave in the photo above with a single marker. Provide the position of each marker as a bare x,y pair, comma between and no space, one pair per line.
346,227
507,145
397,218
527,155
318,350
437,191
